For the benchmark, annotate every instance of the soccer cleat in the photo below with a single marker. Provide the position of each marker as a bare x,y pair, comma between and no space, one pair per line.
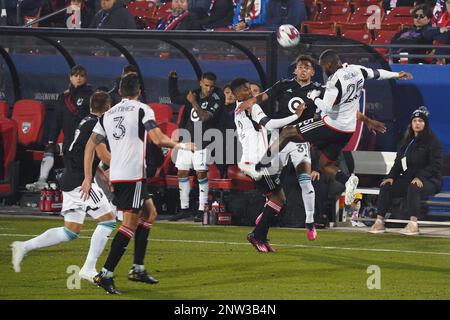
199,216
378,227
141,276
350,188
36,186
87,274
106,283
259,245
183,214
269,246
411,229
311,231
18,253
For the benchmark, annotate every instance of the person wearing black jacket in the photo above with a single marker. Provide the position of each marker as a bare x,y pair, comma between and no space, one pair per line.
113,16
416,173
219,14
202,108
72,107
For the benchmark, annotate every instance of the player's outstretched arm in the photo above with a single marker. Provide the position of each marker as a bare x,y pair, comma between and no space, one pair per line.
162,140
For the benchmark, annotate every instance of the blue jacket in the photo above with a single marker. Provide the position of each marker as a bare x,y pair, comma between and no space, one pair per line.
260,20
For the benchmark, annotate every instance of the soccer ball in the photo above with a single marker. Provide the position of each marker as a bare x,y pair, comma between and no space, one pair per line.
288,36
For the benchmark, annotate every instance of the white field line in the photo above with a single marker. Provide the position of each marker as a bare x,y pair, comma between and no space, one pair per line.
276,245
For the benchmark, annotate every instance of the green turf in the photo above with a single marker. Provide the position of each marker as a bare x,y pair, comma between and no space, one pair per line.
217,263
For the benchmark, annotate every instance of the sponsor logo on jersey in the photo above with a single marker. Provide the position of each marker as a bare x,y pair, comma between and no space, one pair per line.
294,103
80,101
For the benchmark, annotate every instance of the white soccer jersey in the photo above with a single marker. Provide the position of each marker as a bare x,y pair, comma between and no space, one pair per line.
341,98
123,126
252,136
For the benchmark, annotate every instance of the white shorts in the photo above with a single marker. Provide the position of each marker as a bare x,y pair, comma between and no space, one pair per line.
74,209
198,160
298,152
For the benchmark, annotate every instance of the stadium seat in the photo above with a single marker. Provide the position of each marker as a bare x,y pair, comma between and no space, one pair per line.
335,14
319,27
180,114
240,181
216,183
366,15
358,35
330,3
29,116
365,3
391,26
383,37
4,109
142,8
399,15
163,112
346,26
169,129
9,180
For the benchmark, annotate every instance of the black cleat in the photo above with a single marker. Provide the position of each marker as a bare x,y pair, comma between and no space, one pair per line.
106,283
183,214
199,216
141,276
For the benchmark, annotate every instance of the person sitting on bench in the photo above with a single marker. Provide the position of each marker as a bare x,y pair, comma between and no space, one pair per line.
416,173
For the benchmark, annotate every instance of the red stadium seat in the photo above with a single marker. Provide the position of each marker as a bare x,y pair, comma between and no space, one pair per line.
365,3
358,35
383,37
29,116
368,16
346,26
317,27
169,129
391,27
142,8
180,114
4,109
216,183
401,15
240,181
329,3
163,112
335,14
9,180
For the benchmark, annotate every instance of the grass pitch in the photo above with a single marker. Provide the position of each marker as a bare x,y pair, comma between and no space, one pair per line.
216,262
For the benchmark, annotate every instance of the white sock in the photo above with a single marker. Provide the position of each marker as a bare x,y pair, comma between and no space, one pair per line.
308,195
98,241
203,194
138,267
46,165
50,238
185,189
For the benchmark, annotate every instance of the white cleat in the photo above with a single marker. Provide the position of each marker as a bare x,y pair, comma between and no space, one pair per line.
18,253
249,170
350,188
87,274
36,186
411,229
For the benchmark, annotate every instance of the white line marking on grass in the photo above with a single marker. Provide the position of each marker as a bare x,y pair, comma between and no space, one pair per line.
277,245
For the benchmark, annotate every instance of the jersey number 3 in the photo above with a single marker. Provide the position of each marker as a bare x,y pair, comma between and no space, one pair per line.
120,130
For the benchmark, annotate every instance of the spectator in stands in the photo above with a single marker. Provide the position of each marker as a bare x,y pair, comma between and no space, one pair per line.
72,107
86,14
421,33
444,21
285,12
28,8
220,14
416,173
249,13
256,88
180,19
199,8
113,15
